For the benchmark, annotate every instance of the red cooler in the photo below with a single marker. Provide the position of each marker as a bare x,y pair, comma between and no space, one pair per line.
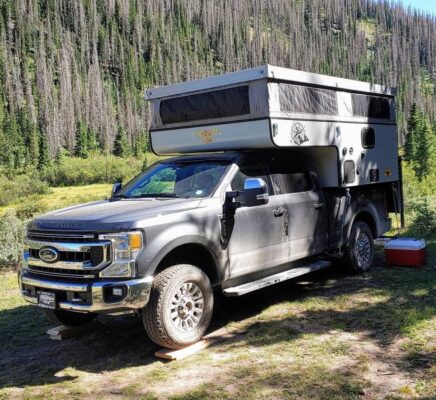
406,251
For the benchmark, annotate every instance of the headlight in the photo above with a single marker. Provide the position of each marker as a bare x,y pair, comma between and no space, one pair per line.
125,249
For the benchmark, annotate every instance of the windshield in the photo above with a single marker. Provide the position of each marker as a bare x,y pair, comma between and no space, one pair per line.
176,179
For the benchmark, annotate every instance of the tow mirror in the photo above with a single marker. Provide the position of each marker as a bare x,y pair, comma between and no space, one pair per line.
116,187
255,192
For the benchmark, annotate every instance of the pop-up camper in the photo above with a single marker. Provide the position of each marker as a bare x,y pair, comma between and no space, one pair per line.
349,126
282,172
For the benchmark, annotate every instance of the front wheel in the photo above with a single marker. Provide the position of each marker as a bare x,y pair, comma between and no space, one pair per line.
359,254
180,306
69,318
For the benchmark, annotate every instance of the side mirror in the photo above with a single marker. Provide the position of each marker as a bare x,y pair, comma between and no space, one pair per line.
255,192
116,187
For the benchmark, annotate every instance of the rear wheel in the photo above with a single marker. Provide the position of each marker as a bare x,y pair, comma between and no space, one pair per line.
180,306
359,254
69,318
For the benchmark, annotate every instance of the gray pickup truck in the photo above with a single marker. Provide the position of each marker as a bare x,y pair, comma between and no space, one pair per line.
189,227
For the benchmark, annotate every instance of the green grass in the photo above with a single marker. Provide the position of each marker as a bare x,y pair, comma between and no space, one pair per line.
327,336
60,197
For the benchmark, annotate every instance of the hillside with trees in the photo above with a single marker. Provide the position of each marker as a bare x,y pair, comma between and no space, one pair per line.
73,73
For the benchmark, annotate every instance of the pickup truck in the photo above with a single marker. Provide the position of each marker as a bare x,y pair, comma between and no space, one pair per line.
191,226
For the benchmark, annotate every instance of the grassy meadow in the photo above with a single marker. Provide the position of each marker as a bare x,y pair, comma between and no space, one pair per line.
324,336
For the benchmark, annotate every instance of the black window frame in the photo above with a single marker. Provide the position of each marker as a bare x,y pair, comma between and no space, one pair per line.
364,137
371,106
213,104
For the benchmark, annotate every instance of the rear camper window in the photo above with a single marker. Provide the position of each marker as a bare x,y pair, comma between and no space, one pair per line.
215,104
371,106
309,100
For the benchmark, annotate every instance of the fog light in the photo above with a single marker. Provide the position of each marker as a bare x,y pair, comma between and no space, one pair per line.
117,292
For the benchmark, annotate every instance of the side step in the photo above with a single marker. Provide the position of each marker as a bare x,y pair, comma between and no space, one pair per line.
273,279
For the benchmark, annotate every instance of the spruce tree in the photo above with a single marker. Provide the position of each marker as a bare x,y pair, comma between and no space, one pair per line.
93,145
424,146
81,146
413,128
44,156
121,145
140,145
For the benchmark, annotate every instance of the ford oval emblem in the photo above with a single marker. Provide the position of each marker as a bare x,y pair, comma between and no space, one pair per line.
48,254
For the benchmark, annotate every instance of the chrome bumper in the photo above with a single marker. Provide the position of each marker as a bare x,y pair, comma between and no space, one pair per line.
137,293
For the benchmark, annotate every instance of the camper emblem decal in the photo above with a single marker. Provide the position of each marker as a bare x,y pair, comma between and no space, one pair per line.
298,134
207,135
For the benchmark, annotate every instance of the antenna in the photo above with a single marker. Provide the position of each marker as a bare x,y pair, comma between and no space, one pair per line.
107,157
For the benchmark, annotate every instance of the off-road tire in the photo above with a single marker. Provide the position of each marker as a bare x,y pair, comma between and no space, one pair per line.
69,318
359,253
157,317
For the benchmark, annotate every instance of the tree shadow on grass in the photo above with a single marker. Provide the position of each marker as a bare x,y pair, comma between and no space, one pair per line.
28,357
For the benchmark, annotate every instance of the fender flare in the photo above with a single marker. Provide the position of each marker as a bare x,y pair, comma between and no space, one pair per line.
187,240
358,207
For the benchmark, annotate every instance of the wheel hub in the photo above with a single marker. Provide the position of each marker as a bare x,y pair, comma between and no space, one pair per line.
363,249
187,306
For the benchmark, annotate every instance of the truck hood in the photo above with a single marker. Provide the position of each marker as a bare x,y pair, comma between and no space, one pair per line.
108,215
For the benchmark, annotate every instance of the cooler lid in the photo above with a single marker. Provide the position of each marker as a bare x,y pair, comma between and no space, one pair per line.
405,244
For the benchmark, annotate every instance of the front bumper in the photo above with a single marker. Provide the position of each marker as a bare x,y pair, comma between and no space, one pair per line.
89,296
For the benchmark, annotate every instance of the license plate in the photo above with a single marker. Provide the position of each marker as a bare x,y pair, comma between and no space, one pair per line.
47,300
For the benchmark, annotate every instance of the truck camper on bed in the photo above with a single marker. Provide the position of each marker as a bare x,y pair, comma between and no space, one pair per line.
283,172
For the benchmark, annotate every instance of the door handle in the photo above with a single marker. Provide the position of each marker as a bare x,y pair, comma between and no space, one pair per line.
279,211
317,206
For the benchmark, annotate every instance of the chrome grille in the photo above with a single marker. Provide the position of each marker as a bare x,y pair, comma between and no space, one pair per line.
60,236
78,255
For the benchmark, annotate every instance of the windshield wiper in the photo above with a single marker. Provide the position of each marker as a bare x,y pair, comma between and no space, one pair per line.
158,195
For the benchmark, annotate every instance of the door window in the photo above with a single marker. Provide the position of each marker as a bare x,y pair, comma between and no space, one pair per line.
251,170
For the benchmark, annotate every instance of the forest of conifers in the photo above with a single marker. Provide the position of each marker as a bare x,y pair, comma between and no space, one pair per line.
72,66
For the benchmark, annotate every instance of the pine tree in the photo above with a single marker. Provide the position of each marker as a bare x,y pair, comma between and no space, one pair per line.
413,127
44,156
140,145
93,145
81,146
424,147
121,145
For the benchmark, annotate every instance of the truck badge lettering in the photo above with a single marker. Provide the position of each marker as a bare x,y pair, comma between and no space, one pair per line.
298,134
207,135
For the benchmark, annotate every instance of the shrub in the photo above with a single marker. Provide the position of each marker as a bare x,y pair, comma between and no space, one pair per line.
74,171
423,217
19,187
11,239
30,208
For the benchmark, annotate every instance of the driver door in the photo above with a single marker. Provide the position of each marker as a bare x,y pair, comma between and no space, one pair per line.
259,238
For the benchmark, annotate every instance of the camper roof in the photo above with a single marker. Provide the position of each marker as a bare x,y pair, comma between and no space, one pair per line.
269,72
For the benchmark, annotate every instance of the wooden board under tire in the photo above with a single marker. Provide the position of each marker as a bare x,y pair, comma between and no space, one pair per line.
171,354
62,332
208,340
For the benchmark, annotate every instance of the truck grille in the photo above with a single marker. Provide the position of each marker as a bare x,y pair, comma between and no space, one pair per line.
77,255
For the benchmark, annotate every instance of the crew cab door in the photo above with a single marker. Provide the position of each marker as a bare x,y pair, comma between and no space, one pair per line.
258,237
306,209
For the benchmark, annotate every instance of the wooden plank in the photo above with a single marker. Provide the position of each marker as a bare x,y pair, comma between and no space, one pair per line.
171,354
62,332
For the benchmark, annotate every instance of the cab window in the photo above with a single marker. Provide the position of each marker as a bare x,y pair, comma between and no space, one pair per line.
250,170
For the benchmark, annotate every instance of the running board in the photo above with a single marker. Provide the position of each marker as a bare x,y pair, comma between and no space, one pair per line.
273,279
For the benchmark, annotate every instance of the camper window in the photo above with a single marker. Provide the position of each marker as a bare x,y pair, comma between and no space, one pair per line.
371,106
208,105
368,138
309,100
